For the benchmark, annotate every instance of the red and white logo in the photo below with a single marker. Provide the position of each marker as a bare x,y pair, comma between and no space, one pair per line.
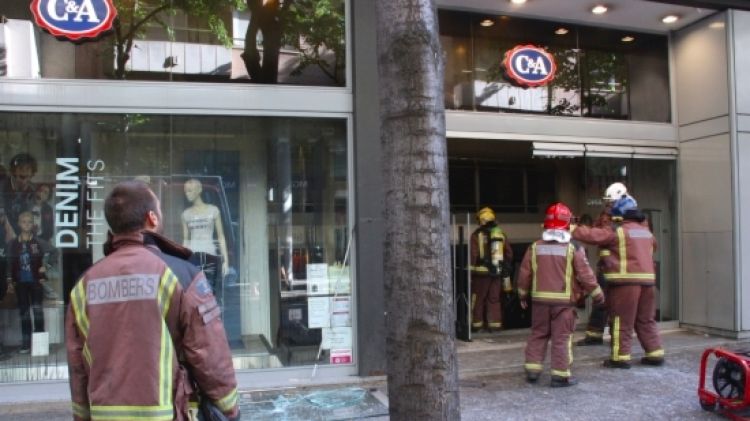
529,66
74,19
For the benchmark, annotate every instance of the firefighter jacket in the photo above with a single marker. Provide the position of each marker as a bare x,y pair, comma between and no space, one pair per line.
142,327
490,251
556,273
626,251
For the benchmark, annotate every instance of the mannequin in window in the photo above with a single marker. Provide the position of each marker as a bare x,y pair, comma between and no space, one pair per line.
199,223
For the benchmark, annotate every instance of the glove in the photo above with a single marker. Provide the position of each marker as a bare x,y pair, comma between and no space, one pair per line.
598,300
573,227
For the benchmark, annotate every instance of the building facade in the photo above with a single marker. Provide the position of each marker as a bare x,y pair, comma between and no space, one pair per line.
266,157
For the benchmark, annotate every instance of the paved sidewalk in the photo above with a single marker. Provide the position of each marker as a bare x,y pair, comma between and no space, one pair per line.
493,387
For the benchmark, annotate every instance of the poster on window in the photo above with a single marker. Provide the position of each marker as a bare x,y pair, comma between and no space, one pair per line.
336,338
317,279
318,312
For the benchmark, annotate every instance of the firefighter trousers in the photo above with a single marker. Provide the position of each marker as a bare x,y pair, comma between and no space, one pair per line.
554,324
599,314
633,307
485,296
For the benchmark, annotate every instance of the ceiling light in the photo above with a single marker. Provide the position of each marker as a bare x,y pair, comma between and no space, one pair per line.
561,31
487,22
716,25
518,1
627,38
670,19
599,9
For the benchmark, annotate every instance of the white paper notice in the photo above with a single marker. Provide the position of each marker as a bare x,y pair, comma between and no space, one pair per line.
341,311
39,344
337,337
318,312
317,279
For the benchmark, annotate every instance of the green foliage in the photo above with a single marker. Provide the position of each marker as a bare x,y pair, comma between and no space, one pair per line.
316,29
134,16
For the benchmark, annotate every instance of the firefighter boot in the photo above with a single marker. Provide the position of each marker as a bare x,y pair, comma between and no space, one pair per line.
532,376
590,340
559,381
655,361
616,364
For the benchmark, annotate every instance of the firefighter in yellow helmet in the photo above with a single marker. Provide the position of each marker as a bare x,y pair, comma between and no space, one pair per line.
491,258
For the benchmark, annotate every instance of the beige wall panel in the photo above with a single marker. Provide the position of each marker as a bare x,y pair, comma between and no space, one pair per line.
705,180
701,75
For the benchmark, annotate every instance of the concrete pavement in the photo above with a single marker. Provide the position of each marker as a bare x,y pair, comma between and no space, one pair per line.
493,387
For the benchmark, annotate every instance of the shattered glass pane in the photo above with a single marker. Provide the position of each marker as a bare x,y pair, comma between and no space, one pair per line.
330,404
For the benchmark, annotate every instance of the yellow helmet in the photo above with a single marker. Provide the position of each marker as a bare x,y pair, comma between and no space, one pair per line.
485,215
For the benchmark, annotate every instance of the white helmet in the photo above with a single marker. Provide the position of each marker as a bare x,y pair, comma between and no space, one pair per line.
615,191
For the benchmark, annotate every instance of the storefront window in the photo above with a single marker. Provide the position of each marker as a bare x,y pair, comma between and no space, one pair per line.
273,190
285,42
602,73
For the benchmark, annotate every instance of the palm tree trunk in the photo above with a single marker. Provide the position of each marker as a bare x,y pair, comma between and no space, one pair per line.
422,366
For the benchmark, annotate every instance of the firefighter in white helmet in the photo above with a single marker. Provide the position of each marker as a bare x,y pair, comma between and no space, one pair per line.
491,258
630,273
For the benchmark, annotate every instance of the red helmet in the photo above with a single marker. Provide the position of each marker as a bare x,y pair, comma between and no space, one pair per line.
557,217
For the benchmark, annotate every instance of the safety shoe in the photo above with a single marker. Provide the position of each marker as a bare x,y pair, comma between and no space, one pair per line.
616,364
558,381
655,361
590,340
532,376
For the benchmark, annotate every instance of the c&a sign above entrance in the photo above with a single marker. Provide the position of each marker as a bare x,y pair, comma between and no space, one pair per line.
74,19
529,66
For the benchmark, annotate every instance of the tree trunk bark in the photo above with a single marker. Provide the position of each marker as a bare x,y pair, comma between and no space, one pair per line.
422,367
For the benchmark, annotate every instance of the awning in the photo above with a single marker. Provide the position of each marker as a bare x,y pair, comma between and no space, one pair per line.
573,150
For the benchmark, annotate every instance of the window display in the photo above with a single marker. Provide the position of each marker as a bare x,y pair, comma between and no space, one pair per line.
261,201
299,42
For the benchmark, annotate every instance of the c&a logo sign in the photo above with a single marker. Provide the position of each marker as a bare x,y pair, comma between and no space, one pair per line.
529,66
74,19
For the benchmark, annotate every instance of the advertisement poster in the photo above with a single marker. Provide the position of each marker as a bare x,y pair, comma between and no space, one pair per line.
318,312
341,311
317,279
337,338
341,356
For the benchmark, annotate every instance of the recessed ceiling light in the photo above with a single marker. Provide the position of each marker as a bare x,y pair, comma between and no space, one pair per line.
599,9
716,25
561,31
487,22
670,19
518,1
627,38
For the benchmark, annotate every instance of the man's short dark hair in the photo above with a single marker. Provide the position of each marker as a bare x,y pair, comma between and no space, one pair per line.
127,205
21,160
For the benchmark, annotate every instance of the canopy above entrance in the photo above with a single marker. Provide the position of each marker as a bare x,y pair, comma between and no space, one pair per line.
572,150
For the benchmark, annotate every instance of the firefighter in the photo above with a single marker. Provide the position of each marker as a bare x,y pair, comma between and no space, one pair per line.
143,328
554,274
491,257
599,314
629,271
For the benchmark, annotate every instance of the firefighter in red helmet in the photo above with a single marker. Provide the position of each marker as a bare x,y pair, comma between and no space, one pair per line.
491,257
631,276
554,274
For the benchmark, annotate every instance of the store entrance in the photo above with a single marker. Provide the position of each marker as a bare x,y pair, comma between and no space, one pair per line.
518,182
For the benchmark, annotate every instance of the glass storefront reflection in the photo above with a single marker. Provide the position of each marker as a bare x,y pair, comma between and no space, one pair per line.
598,74
299,43
262,201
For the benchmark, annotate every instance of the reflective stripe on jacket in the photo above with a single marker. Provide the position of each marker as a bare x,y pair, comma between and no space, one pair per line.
131,315
556,273
627,252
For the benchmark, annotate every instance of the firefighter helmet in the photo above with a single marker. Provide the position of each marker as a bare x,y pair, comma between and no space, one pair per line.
557,217
622,205
615,191
485,215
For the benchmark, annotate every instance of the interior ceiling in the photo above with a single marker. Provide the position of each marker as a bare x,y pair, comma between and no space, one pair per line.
639,15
